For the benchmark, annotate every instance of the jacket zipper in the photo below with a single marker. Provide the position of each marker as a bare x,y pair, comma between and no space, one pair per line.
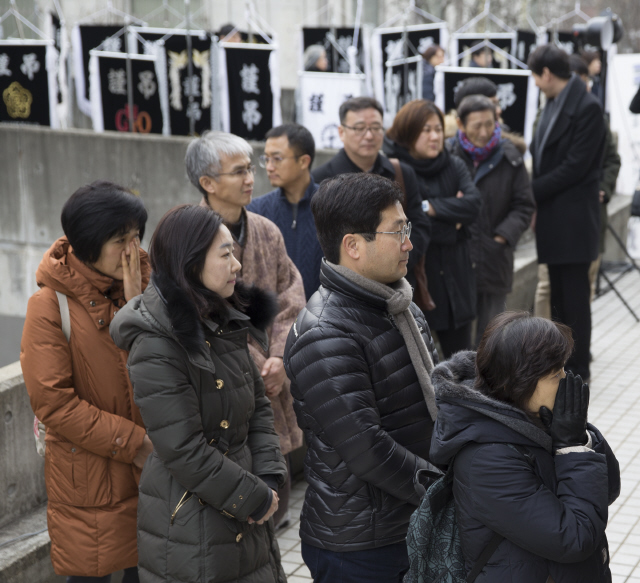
182,502
295,216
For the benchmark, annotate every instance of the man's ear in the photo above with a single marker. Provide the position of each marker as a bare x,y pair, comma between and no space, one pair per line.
305,161
208,184
341,132
460,124
351,246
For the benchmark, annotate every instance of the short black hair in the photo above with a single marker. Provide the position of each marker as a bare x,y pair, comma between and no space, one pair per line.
300,139
473,103
553,58
178,252
351,203
516,351
578,65
97,212
474,86
358,104
226,29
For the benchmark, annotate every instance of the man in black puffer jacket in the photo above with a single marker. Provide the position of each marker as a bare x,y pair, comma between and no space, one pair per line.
359,357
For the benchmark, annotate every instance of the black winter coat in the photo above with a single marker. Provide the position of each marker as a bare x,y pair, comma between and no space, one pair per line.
450,273
363,413
552,510
420,223
507,208
215,448
566,185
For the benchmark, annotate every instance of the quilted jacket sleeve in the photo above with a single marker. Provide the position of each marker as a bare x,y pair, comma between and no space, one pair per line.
463,210
263,440
171,412
565,526
336,401
48,374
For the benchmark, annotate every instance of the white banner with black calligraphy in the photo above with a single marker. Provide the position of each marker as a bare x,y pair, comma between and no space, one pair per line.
320,96
249,87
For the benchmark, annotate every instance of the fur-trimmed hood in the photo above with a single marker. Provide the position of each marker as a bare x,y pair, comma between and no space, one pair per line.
165,309
466,415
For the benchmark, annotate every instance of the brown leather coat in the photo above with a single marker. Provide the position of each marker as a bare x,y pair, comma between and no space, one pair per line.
81,391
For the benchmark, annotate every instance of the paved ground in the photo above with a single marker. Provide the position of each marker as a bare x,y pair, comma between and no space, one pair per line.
615,410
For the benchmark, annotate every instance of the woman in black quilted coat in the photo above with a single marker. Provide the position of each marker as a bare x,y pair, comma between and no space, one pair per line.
527,466
209,489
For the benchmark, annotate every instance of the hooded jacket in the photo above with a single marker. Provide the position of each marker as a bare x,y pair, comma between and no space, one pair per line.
363,413
215,447
80,390
551,509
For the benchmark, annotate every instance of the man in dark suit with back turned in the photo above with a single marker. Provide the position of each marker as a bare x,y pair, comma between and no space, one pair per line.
567,153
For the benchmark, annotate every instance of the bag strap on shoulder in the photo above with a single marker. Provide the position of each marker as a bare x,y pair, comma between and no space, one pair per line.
64,315
399,179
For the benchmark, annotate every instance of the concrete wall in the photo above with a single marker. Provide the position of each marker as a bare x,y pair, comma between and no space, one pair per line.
41,168
21,468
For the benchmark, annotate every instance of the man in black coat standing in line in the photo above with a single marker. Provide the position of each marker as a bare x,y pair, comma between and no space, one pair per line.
359,357
362,134
567,153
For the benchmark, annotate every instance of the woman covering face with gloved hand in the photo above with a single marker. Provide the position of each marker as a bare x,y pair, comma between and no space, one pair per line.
527,464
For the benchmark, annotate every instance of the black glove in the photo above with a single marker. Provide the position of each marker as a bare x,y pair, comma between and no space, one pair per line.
568,422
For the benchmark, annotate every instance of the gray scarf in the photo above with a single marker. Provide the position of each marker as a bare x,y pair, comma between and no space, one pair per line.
398,296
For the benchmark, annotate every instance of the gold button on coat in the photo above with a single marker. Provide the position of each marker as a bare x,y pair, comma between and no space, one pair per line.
224,424
219,384
239,538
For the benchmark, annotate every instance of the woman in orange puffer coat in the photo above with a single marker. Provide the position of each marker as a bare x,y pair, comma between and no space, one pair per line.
95,439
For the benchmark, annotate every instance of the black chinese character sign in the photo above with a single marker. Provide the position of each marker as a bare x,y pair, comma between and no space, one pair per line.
109,98
402,84
320,96
503,40
28,82
527,42
517,93
387,44
336,63
173,43
249,89
85,38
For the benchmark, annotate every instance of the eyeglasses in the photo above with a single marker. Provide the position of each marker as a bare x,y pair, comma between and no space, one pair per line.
275,160
361,131
251,169
405,233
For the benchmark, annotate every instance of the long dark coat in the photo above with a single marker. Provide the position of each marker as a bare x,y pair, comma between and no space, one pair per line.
507,208
552,510
566,180
450,272
203,402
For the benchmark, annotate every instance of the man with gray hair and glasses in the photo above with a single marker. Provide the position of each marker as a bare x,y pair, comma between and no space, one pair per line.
219,166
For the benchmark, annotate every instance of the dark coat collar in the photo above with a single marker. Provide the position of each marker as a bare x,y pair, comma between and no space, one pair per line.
175,312
342,164
332,280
